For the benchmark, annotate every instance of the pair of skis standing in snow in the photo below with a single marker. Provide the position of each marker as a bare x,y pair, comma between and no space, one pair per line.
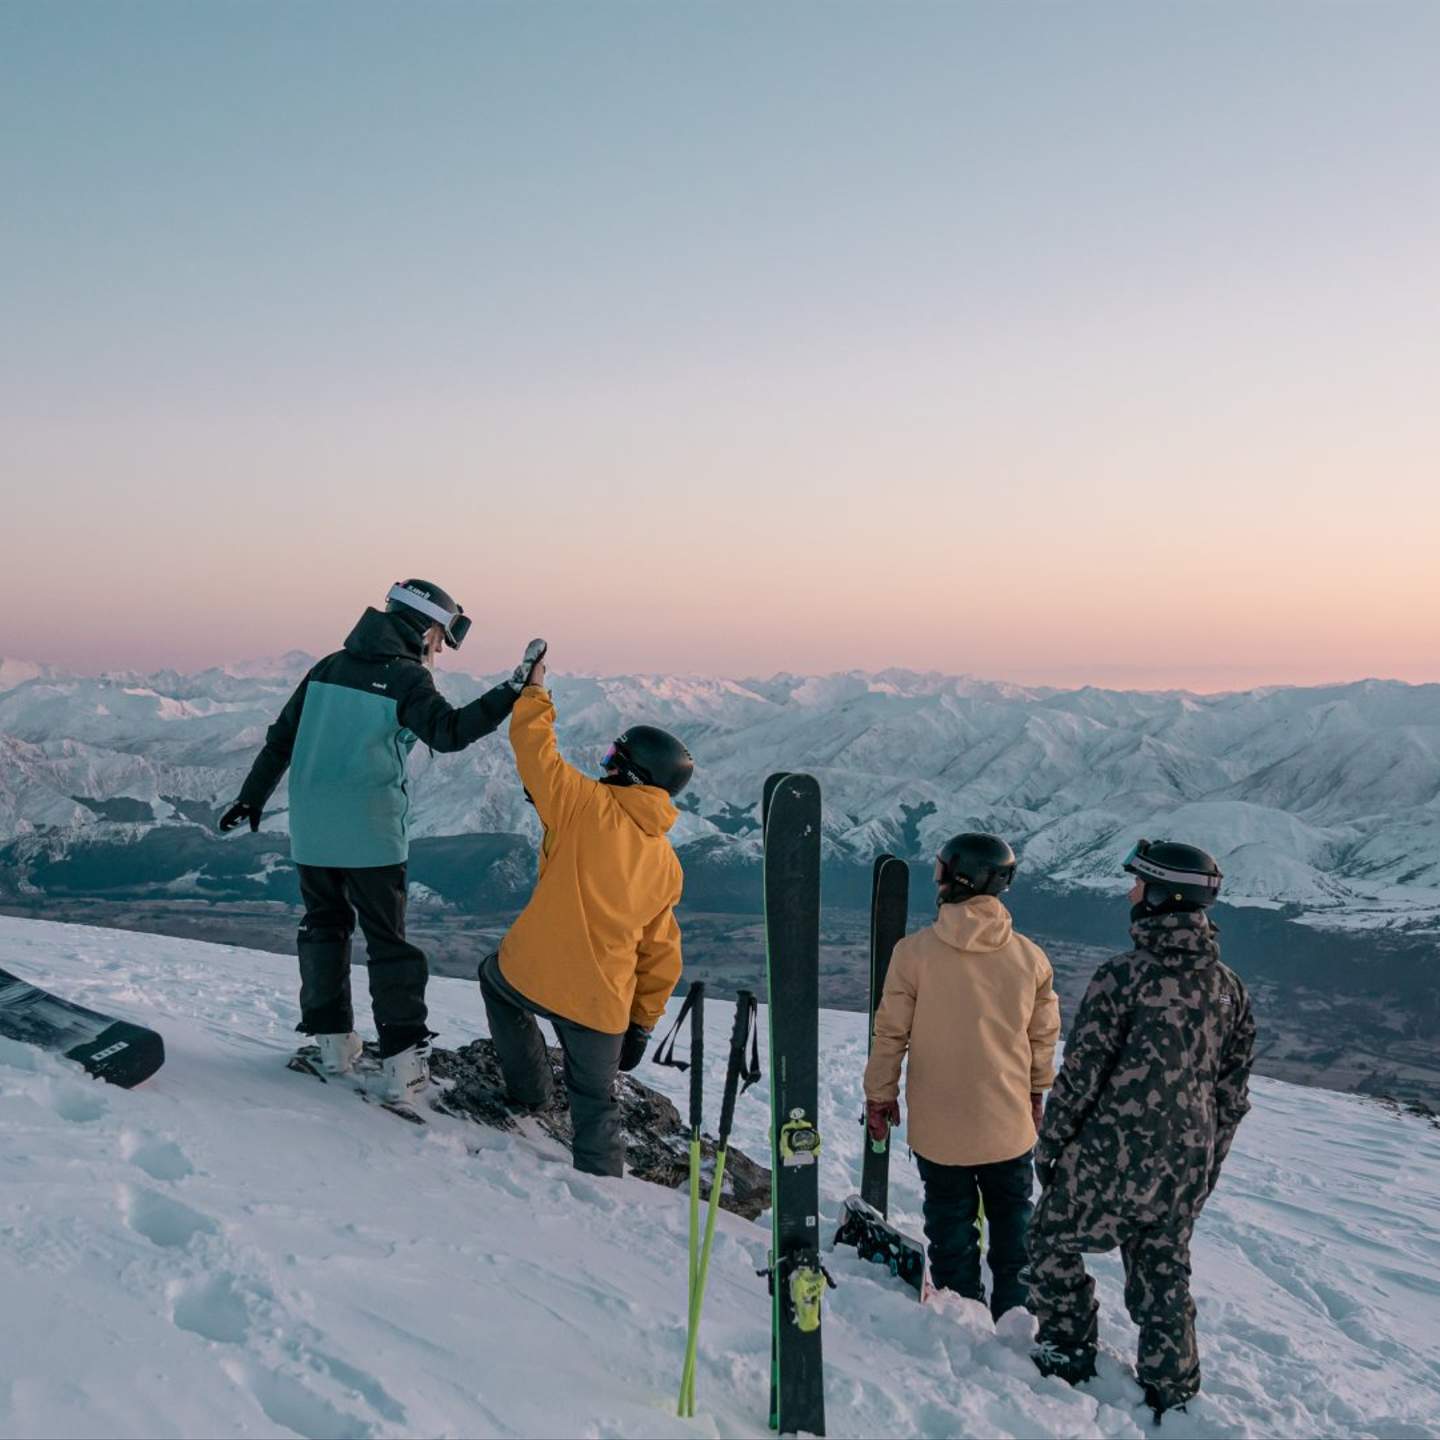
607,872
1139,1121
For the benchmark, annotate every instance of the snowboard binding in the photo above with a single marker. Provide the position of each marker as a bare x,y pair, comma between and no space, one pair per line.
881,1243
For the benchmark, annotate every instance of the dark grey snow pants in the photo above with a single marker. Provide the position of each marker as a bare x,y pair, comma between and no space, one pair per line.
592,1060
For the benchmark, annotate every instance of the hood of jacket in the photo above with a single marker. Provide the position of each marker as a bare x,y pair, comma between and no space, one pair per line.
982,924
383,636
1188,939
647,805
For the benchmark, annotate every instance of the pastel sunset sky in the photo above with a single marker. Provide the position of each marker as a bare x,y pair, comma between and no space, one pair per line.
1062,343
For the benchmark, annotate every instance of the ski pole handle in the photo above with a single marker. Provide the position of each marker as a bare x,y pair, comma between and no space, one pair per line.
745,1004
697,1054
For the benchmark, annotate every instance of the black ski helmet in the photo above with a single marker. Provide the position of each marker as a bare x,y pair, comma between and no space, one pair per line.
423,603
1176,876
973,864
647,756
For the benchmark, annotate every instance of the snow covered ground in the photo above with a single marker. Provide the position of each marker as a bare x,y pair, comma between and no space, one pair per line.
233,1249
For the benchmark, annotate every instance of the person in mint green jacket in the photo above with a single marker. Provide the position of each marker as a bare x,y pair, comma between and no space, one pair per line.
345,735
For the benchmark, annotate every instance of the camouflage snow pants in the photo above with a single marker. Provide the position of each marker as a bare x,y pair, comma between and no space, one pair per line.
1157,1295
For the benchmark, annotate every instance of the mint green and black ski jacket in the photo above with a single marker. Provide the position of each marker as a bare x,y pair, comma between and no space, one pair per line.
345,735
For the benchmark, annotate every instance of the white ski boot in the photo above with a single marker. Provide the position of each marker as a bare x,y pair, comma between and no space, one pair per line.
406,1076
338,1053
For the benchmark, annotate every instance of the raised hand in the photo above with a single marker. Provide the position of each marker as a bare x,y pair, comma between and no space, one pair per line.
531,670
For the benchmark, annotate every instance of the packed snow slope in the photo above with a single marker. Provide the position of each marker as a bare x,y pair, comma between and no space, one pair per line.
234,1249
1325,798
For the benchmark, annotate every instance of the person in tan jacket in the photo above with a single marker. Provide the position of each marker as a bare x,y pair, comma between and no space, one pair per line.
597,950
973,1003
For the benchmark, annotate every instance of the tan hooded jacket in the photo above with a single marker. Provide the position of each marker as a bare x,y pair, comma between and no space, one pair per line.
974,1004
598,943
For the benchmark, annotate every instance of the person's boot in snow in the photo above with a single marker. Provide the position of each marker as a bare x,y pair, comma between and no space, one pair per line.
1074,1367
407,1075
1159,1405
338,1053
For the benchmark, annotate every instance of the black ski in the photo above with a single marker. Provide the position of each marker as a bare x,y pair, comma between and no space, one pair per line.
110,1049
889,908
792,944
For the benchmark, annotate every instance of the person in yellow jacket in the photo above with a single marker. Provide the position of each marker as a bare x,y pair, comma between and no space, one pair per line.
597,950
974,1005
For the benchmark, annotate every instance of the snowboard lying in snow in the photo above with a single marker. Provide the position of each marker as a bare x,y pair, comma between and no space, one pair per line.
110,1049
469,1087
878,1241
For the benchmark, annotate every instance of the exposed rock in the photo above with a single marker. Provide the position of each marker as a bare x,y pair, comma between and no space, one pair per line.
657,1140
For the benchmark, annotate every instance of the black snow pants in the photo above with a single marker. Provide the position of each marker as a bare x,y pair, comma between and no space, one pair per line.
592,1060
952,1205
1157,1295
398,971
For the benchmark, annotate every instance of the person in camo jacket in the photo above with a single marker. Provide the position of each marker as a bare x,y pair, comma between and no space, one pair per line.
1154,1084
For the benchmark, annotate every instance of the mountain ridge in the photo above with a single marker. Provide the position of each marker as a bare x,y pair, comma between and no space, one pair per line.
1324,799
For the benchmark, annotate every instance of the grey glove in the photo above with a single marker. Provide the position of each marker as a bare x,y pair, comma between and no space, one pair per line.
520,675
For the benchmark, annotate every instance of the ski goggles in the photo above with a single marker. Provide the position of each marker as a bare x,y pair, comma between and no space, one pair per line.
456,624
616,759
1138,862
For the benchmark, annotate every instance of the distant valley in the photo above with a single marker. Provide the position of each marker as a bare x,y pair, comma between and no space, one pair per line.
1323,806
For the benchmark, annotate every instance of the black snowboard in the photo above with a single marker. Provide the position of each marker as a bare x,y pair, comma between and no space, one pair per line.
889,909
657,1140
878,1241
792,942
113,1050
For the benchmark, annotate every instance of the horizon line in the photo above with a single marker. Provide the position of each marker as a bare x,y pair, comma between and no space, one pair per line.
231,667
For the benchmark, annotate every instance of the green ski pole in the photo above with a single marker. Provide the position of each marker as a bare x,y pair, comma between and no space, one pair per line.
736,1069
696,999
694,1010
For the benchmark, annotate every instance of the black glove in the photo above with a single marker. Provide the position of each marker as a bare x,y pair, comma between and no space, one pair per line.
241,811
1045,1173
632,1047
520,675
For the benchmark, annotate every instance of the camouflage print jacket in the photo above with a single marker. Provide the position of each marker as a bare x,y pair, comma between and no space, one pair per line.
1155,1080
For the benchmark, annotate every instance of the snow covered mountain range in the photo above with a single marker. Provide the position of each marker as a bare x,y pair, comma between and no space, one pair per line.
235,1250
1326,799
